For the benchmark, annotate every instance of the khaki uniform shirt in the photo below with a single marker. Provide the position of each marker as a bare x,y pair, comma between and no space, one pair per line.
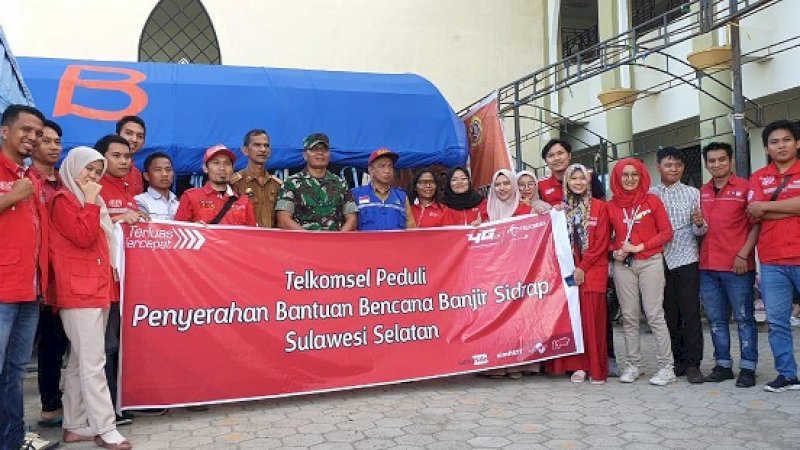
262,195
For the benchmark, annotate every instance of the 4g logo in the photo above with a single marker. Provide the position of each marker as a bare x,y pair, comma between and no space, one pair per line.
482,236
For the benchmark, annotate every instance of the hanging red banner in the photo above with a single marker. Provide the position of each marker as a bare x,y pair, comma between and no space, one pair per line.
488,151
218,314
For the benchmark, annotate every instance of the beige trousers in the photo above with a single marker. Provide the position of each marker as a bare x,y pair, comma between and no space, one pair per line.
646,277
87,402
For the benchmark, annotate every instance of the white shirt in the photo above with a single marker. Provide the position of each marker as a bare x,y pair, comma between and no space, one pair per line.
680,201
153,203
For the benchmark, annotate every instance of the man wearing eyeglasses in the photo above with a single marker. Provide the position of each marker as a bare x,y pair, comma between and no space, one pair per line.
381,206
314,198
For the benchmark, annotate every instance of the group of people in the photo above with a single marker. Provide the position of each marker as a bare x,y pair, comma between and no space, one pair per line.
60,282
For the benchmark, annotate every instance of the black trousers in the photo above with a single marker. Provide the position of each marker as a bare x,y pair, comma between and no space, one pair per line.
53,343
112,351
682,313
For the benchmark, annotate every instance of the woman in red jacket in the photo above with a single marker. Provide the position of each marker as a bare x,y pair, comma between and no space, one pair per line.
641,227
463,204
81,244
422,193
589,235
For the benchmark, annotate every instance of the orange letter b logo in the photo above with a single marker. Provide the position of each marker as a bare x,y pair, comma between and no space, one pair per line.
71,79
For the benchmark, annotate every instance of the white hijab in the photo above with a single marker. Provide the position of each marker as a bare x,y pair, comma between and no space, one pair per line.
498,209
77,159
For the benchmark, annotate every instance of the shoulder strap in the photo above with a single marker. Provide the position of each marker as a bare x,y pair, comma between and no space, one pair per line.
780,188
225,208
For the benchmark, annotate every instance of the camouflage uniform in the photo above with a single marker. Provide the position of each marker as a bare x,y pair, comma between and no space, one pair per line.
262,196
316,203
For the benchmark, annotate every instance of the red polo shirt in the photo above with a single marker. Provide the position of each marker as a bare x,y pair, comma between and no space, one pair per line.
725,213
463,217
135,181
204,203
49,187
24,228
779,240
428,216
118,196
522,208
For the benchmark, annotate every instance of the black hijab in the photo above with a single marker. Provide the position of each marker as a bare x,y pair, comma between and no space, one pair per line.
460,202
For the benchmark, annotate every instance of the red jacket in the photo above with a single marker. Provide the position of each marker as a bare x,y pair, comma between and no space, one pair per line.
118,196
79,253
465,217
23,227
135,181
779,240
594,261
204,203
728,224
653,228
551,190
428,216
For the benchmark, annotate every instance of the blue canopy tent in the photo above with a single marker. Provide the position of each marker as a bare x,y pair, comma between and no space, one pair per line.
12,87
189,107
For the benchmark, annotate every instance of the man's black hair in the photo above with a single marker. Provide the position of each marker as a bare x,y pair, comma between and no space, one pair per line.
56,127
782,124
670,152
136,119
553,142
11,114
254,132
102,145
711,146
152,157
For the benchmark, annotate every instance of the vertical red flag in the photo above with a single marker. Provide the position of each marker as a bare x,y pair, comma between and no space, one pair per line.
488,151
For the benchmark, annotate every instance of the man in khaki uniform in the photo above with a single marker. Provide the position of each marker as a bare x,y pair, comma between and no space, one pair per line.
254,181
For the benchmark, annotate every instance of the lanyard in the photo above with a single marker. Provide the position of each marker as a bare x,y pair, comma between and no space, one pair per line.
630,219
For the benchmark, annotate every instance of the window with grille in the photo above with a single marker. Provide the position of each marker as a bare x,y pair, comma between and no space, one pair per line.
179,31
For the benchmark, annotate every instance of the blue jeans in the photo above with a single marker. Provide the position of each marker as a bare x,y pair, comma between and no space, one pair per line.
723,292
778,283
17,331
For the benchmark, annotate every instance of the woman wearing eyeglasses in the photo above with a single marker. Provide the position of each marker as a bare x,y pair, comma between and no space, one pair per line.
640,228
422,194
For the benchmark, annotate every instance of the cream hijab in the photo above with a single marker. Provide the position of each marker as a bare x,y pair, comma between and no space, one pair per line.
498,209
77,159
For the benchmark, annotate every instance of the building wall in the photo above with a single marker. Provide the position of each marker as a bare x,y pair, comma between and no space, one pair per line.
467,48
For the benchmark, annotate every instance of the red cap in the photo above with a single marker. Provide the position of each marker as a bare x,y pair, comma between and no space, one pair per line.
383,152
219,148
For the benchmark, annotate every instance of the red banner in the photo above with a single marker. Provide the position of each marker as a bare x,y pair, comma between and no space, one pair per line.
488,151
217,314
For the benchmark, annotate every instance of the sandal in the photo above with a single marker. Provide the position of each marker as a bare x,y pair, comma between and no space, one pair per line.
579,376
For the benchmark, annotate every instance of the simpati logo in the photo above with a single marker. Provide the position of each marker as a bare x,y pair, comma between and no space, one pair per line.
480,360
482,236
189,239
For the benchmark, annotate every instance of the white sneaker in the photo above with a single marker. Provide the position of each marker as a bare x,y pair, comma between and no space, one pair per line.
664,376
794,321
35,442
630,374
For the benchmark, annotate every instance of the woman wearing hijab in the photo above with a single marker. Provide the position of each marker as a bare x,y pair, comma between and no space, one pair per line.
504,198
463,204
641,227
529,192
82,244
589,235
422,193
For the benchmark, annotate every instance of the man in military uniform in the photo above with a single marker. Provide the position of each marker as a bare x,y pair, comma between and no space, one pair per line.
314,198
254,181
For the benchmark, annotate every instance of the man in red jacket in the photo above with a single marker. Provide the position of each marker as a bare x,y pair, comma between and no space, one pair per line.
23,263
216,202
133,130
775,203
